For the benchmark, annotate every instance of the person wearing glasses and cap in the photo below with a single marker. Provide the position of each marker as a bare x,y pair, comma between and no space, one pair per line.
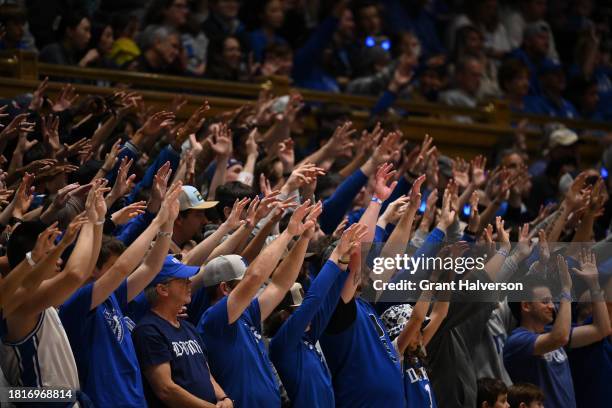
170,351
231,327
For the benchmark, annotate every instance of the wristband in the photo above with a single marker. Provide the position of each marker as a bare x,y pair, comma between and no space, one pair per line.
343,262
376,200
566,296
100,222
502,252
162,234
30,259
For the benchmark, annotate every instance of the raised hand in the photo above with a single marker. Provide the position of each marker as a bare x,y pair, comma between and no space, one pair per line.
384,174
50,131
543,246
425,151
266,205
153,126
38,96
340,143
193,125
448,214
45,242
460,169
123,183
415,194
169,208
73,229
474,221
111,156
234,219
160,181
297,225
17,126
350,240
578,192
311,219
395,210
477,166
23,196
341,228
303,174
524,246
128,212
221,141
66,98
81,147
588,268
64,193
386,149
564,276
503,236
430,209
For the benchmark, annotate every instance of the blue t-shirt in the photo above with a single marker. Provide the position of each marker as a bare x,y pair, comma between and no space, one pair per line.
238,357
363,363
591,371
157,341
542,105
293,351
103,348
417,388
550,372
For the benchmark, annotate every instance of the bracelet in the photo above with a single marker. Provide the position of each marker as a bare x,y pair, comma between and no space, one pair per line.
162,234
343,262
30,259
100,222
376,200
566,296
502,252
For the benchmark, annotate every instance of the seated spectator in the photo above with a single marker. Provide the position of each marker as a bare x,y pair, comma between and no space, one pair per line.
223,21
528,11
533,52
492,393
551,102
470,43
513,77
535,351
171,353
590,61
160,51
74,34
370,35
339,56
226,61
174,14
484,15
16,37
582,93
125,49
525,395
468,75
277,60
101,45
271,17
416,17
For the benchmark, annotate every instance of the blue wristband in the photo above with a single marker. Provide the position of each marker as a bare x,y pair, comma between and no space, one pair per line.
376,200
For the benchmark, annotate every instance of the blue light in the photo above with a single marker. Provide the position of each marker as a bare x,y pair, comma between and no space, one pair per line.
386,45
370,42
423,206
604,172
467,210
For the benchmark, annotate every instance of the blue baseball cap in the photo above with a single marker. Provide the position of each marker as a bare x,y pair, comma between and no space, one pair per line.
174,269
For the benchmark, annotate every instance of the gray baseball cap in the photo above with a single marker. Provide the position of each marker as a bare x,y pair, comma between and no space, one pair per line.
224,268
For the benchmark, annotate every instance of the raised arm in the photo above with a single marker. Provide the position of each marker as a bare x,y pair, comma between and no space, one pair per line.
600,328
56,290
154,260
261,268
559,335
286,273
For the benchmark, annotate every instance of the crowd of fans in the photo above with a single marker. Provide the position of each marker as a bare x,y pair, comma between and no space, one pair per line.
226,261
547,58
148,261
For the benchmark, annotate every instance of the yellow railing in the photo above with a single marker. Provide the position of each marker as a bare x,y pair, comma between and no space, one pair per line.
492,122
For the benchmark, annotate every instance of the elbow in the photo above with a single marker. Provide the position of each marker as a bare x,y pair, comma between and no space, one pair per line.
165,392
560,339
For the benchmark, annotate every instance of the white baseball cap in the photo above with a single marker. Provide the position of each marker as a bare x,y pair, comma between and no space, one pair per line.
191,199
